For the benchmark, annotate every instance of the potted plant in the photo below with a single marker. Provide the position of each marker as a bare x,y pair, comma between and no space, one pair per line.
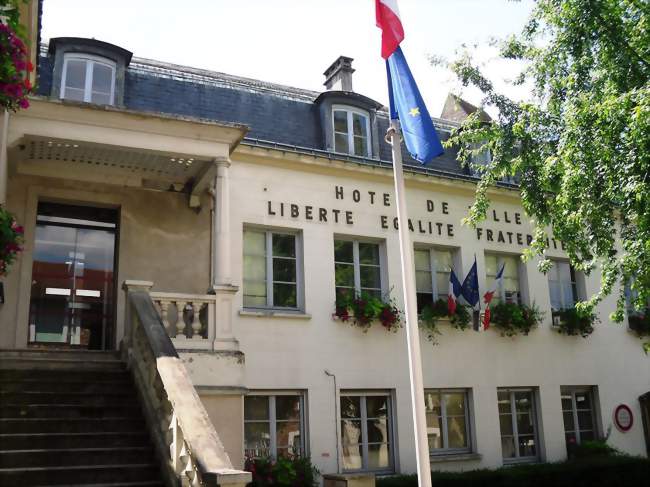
575,322
432,313
363,309
11,238
514,319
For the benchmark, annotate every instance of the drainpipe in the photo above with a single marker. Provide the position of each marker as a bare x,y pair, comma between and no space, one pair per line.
336,422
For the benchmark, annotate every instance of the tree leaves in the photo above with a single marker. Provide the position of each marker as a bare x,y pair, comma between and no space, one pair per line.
581,147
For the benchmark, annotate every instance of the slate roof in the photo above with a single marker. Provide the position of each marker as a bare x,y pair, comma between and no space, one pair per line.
278,116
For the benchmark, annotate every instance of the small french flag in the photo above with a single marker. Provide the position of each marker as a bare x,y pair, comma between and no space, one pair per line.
454,292
487,297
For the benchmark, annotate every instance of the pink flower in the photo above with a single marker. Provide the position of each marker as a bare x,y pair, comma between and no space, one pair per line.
23,103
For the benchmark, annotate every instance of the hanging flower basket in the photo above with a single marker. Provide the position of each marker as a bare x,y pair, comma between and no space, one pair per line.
513,319
11,238
433,313
573,322
365,309
639,323
14,70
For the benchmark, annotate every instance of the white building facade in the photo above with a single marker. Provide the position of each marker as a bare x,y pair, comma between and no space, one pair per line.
248,222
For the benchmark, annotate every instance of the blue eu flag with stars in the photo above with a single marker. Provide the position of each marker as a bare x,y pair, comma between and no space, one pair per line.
470,286
406,104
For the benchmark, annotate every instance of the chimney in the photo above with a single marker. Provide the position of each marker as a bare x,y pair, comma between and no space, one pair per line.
339,75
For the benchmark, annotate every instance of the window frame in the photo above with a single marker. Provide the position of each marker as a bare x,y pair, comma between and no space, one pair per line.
433,268
390,418
589,391
268,242
357,264
272,419
574,286
349,113
515,430
445,450
501,291
90,60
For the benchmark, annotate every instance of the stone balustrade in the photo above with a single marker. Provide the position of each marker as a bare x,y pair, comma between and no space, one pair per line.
182,431
188,318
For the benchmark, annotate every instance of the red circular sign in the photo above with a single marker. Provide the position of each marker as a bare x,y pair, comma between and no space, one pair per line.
623,418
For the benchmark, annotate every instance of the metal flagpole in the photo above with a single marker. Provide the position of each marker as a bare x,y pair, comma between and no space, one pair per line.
410,312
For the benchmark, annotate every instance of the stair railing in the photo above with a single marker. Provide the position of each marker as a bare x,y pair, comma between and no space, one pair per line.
182,431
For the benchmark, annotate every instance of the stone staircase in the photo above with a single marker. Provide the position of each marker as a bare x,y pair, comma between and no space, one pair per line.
72,418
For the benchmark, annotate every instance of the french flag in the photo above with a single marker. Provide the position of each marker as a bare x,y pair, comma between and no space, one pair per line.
487,297
454,292
388,20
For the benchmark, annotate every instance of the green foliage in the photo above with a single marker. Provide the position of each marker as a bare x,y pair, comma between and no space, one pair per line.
595,471
580,146
362,310
591,449
293,471
11,237
513,319
428,319
576,321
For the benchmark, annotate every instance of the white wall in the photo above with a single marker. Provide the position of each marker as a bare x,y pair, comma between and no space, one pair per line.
286,353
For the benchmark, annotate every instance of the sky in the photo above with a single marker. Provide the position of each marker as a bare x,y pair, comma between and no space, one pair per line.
292,42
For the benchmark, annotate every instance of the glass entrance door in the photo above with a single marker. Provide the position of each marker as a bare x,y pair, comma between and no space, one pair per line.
73,288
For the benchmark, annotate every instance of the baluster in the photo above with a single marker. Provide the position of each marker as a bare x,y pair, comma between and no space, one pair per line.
164,315
180,323
196,321
177,444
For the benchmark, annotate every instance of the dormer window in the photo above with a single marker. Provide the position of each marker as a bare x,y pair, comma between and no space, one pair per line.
88,78
351,131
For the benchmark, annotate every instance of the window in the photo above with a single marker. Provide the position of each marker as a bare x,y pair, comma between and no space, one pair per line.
432,268
517,418
508,291
562,286
274,425
357,268
351,131
271,277
447,421
366,431
578,413
88,78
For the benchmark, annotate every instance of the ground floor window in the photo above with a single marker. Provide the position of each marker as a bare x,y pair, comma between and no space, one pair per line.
518,422
578,413
447,420
366,431
274,425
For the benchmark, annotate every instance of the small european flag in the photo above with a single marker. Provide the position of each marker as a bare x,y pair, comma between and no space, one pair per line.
406,104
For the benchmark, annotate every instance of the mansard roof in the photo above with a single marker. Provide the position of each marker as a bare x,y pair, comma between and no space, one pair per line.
279,116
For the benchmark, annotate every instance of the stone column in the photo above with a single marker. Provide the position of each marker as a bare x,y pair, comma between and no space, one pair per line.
221,242
4,169
222,285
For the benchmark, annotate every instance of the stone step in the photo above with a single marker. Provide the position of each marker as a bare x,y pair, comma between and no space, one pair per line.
75,457
128,409
79,355
113,484
112,398
70,425
105,439
62,384
64,363
84,474
78,374
151,483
